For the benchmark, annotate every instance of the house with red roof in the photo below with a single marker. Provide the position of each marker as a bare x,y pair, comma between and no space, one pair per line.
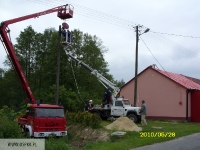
168,95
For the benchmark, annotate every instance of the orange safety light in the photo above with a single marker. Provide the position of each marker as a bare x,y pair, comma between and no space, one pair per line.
66,12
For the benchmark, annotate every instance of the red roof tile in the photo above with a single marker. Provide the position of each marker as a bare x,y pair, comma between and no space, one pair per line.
194,79
180,79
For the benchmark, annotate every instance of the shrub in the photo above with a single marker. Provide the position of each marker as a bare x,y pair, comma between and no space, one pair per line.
8,112
84,118
9,128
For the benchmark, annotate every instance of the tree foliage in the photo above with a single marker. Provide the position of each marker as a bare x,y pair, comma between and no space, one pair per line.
37,54
8,127
11,93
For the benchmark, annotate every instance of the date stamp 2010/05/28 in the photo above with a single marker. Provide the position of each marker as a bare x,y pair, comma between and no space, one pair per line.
157,134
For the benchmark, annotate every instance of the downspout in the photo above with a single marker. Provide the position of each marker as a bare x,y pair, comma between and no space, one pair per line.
187,92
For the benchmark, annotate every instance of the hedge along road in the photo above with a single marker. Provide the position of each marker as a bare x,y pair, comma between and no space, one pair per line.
191,142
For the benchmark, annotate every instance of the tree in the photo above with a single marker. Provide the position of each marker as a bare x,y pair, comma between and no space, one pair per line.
37,54
26,49
45,72
119,83
11,93
90,50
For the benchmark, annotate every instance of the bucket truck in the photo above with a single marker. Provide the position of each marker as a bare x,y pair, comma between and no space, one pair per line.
119,106
40,120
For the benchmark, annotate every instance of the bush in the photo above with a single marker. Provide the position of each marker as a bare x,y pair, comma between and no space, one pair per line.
8,112
84,118
9,128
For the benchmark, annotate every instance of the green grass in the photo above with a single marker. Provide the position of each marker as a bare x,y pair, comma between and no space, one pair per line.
131,139
134,139
105,123
57,144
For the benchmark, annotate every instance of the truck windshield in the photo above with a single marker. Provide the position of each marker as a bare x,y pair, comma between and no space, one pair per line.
49,112
126,102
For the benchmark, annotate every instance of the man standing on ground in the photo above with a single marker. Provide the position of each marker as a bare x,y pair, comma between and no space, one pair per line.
143,112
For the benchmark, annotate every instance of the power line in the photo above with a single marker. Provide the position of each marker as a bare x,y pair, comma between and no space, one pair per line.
175,34
167,73
94,14
91,13
98,13
152,54
172,44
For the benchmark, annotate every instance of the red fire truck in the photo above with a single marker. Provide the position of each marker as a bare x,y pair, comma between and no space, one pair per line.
41,120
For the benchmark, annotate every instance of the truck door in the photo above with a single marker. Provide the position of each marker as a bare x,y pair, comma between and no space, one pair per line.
117,109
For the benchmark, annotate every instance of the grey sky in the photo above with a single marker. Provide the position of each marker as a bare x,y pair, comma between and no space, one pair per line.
112,22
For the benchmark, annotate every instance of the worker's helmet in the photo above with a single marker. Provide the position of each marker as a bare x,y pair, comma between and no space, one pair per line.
90,101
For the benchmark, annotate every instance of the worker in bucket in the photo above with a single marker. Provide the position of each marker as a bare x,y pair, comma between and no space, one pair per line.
64,32
67,35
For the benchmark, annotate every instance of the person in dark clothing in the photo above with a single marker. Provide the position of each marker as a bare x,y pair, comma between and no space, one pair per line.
86,104
143,112
107,96
64,32
66,35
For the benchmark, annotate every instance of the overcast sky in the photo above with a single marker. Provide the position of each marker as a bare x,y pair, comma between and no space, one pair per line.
113,21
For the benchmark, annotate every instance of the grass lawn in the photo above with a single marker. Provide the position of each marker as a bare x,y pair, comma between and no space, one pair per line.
156,131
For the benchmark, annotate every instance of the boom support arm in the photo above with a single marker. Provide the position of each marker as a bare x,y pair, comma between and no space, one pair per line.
106,83
64,12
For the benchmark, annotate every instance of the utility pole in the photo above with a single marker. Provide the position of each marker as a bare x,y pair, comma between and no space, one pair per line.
136,61
136,66
58,67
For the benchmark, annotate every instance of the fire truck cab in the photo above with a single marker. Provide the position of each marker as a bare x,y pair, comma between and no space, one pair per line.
43,120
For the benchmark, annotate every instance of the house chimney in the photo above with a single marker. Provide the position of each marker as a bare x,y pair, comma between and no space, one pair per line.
154,66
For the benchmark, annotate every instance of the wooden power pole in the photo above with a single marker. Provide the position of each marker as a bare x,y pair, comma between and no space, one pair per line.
136,67
58,67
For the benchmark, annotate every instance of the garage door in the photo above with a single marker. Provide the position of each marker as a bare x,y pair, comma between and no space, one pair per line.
195,106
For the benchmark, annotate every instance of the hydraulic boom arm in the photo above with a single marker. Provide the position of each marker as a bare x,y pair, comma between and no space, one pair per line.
106,83
64,12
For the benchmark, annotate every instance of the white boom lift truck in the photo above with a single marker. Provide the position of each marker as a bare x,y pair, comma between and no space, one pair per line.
119,106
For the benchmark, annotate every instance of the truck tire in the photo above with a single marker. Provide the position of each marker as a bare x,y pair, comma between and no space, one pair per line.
133,117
